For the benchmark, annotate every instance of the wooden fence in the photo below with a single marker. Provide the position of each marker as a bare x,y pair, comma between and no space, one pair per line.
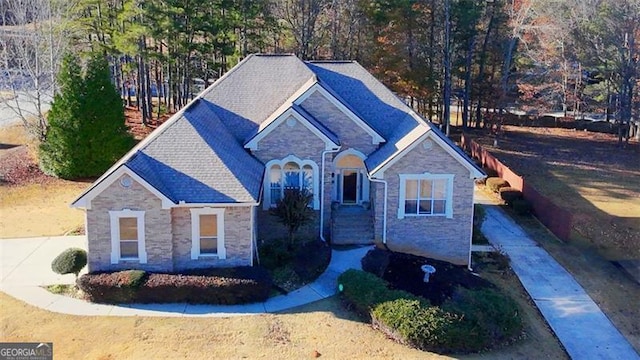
557,219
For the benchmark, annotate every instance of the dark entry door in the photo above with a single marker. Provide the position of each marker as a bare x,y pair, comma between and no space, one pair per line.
349,186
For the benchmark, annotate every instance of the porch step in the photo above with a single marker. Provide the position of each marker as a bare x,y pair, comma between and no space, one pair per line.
352,225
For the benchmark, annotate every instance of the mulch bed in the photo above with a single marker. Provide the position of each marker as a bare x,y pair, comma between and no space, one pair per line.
133,120
403,272
17,167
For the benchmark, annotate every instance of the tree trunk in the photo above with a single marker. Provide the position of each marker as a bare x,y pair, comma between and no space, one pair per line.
447,68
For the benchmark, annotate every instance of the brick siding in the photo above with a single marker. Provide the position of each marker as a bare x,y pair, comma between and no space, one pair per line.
237,239
157,223
431,236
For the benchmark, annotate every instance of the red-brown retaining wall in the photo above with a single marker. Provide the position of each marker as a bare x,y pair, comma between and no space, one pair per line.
555,218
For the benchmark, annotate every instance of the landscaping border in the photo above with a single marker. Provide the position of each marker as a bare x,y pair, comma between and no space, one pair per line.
557,219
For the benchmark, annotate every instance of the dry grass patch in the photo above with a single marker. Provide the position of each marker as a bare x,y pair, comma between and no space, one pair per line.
584,172
323,327
40,209
31,203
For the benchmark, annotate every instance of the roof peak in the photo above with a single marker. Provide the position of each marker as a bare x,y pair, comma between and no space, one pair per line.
273,54
331,61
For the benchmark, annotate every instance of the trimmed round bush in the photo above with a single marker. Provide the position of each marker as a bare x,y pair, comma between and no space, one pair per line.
411,322
495,183
521,206
363,291
70,261
508,194
471,320
489,315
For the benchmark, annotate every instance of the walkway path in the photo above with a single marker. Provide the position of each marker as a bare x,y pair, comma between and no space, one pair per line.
577,321
25,266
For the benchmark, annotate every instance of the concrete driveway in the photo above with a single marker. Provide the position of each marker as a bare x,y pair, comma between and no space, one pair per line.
26,262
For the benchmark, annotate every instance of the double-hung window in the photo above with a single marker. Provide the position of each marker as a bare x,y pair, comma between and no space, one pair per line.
207,231
426,195
127,236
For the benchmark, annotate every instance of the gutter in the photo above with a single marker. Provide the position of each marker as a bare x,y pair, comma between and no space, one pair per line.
325,152
384,216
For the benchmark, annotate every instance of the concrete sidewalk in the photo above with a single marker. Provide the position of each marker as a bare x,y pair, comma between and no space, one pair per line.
580,325
26,266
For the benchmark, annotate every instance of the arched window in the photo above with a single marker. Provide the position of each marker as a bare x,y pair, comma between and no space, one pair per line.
290,173
292,176
275,181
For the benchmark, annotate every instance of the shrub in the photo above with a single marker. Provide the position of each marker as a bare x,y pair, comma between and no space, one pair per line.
509,194
70,261
489,315
411,322
472,320
521,206
495,183
206,286
293,210
363,291
115,287
86,130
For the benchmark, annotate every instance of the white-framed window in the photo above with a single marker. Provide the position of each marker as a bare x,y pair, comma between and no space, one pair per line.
207,233
127,236
290,173
426,195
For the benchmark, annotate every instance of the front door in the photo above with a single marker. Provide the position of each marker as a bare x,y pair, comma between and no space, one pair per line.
350,186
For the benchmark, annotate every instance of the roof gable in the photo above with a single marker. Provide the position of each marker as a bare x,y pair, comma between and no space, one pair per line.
84,200
329,95
410,141
330,140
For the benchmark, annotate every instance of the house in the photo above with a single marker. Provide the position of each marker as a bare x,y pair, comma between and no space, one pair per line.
196,192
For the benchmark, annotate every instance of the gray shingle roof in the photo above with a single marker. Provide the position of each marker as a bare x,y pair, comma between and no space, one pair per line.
367,97
197,160
197,156
249,93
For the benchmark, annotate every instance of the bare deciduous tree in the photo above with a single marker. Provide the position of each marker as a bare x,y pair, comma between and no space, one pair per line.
33,38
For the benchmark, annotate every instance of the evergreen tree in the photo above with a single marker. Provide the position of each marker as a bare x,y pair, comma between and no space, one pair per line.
86,131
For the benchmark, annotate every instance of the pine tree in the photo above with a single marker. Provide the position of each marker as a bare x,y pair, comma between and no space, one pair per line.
86,132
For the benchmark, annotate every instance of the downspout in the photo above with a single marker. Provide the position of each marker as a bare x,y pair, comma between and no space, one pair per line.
254,236
473,210
325,152
384,207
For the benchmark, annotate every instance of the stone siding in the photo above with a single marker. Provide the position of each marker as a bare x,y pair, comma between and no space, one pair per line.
350,134
157,223
237,239
432,236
